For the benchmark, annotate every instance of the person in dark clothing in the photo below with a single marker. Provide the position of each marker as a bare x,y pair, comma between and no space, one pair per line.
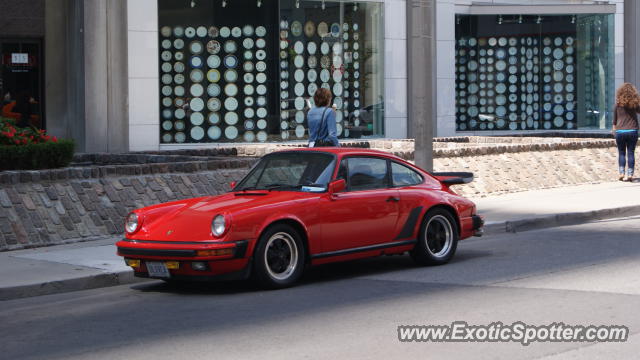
625,128
24,108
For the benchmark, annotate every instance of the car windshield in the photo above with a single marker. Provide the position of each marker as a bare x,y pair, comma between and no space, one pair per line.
290,171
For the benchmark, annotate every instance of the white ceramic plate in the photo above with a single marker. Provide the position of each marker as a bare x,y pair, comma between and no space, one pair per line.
213,61
261,66
214,104
197,133
231,75
231,118
214,133
196,90
231,104
261,31
213,75
196,75
213,118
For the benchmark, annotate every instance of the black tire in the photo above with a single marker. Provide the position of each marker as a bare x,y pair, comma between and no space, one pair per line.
437,239
279,257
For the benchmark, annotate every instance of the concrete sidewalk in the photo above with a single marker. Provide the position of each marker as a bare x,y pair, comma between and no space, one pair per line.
94,264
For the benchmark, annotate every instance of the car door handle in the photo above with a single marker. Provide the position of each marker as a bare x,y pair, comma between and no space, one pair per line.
393,198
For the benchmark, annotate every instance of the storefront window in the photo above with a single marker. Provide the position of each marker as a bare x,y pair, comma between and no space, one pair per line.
238,71
516,72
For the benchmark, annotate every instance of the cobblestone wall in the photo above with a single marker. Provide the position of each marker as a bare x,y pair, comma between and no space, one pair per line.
54,212
39,208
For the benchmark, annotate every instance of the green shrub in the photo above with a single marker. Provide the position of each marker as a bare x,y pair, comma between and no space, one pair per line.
45,155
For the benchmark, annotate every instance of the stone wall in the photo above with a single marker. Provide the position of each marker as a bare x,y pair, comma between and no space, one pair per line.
81,203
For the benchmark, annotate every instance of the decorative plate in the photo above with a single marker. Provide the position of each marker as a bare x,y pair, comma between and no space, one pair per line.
213,75
196,62
296,28
309,28
231,75
231,118
190,32
335,30
230,46
213,118
230,61
196,90
214,32
213,47
261,31
213,61
214,133
225,32
201,31
196,104
196,47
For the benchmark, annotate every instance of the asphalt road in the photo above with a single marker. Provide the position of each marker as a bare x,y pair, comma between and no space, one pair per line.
586,274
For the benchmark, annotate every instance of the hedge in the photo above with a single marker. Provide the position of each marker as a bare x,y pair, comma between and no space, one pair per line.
45,155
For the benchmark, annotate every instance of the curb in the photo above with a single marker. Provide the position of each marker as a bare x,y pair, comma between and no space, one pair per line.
105,279
562,219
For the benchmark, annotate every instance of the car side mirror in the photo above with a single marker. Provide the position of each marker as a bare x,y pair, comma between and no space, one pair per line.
233,184
337,186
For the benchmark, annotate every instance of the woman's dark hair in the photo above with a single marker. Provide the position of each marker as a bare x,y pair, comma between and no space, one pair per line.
322,97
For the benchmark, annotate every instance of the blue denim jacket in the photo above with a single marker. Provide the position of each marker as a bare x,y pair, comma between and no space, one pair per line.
328,129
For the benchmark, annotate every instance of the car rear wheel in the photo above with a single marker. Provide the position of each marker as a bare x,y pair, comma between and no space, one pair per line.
438,238
279,257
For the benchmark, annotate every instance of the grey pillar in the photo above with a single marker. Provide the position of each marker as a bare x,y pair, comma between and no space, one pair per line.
632,42
421,45
106,83
64,70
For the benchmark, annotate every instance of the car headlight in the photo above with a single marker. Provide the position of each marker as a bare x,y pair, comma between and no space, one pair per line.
218,225
132,224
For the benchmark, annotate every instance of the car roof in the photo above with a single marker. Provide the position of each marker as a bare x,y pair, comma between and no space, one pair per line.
345,151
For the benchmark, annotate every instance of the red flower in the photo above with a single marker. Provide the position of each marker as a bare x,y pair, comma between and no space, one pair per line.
54,139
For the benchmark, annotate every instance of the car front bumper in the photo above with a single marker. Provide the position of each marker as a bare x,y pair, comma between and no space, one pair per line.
188,261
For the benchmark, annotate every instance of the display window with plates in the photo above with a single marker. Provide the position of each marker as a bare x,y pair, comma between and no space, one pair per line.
238,71
534,72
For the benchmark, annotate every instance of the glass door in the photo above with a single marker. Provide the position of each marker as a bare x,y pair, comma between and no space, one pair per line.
20,81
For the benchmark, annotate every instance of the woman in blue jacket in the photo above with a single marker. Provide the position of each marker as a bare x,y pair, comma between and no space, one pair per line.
322,121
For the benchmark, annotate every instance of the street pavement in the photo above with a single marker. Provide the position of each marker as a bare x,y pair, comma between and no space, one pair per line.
580,275
94,264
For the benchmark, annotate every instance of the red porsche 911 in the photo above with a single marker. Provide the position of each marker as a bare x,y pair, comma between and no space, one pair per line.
303,207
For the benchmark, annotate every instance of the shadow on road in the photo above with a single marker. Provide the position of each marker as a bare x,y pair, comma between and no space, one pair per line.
157,311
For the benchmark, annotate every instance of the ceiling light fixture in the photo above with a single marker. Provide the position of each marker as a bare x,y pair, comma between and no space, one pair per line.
539,19
520,19
297,4
500,20
224,3
259,3
193,3
573,19
323,6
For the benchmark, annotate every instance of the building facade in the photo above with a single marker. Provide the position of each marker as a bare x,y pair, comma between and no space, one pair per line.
131,75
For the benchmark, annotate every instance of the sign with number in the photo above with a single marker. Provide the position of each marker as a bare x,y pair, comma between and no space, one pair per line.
19,58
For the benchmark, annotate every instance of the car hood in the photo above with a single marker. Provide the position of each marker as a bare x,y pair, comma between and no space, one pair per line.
190,220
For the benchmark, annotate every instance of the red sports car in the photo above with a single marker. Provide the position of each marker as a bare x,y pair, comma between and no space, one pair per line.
303,207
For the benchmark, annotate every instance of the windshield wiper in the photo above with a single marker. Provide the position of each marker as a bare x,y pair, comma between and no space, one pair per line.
280,186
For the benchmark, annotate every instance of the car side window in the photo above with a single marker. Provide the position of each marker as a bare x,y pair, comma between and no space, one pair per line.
403,176
366,173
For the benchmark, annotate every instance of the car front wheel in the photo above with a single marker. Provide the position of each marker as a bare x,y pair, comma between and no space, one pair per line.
279,257
438,238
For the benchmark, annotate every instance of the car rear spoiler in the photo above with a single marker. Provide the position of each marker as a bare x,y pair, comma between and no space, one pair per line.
453,178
